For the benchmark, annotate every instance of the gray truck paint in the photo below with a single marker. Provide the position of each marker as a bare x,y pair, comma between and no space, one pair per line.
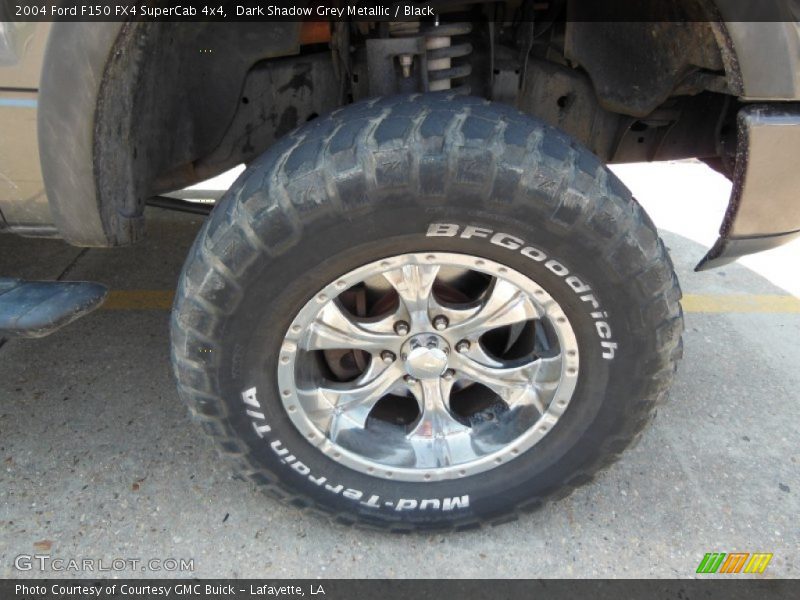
766,54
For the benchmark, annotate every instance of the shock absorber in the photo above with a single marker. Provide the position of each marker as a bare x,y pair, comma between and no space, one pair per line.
440,54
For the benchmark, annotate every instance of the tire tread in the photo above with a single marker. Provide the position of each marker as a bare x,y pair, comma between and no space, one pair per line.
523,152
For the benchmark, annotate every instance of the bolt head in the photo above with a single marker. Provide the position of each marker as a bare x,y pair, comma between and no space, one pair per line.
401,328
448,375
387,357
462,346
440,323
409,380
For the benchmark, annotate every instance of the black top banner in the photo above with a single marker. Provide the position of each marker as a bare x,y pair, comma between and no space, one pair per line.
349,589
393,10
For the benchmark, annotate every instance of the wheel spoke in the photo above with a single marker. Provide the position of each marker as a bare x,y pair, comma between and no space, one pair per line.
504,305
438,439
516,385
477,354
335,329
496,378
476,342
343,407
414,285
527,396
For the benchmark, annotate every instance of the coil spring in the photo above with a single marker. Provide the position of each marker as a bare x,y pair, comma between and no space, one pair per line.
441,51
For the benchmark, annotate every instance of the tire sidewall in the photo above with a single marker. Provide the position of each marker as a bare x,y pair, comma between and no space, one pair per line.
276,289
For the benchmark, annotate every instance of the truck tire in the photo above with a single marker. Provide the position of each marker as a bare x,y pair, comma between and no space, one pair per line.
425,312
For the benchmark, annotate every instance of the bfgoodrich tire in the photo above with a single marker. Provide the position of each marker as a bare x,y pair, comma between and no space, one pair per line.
476,222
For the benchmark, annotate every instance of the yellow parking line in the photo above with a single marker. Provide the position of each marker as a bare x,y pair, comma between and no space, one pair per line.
139,300
692,303
740,303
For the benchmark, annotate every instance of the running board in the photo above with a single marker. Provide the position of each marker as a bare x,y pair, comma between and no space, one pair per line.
35,309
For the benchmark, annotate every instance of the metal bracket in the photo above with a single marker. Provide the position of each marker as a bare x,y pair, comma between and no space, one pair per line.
382,71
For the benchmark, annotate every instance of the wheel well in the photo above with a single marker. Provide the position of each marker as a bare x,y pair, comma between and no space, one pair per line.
210,96
181,102
170,95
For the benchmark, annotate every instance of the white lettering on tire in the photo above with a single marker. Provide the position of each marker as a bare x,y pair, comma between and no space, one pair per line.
510,242
257,418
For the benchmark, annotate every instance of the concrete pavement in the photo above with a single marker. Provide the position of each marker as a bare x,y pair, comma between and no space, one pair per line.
100,460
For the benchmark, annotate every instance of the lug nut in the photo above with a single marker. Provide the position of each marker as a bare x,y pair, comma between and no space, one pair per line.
440,323
462,346
387,357
448,374
409,380
401,328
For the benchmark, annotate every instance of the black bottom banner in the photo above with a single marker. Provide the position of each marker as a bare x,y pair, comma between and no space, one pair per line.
445,589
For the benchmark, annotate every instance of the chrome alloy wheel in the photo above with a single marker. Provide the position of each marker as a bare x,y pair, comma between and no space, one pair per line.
428,366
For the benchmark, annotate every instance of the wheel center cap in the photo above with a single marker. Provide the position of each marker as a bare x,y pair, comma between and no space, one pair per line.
425,356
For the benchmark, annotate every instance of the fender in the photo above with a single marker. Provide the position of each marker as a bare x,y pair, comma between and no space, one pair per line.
72,73
765,40
763,210
127,111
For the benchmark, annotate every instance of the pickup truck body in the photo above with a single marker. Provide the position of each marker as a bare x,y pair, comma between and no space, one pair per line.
84,115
